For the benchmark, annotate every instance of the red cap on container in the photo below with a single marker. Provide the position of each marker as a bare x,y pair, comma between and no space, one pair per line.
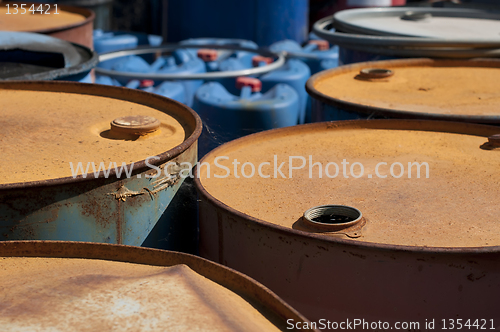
207,54
147,83
254,83
323,45
259,58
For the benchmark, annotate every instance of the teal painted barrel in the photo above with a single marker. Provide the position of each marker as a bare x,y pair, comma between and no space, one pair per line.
62,141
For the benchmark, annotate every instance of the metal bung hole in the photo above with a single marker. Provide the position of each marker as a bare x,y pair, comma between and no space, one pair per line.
333,217
375,73
135,125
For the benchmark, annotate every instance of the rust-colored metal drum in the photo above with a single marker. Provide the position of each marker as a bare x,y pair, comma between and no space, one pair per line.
69,23
411,234
450,90
94,163
94,287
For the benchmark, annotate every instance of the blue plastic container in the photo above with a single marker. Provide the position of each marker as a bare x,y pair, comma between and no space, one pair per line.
172,90
219,41
262,21
227,117
317,60
294,73
106,80
182,61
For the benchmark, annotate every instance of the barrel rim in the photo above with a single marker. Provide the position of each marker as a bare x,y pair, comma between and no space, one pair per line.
181,112
249,289
400,113
395,124
59,73
87,13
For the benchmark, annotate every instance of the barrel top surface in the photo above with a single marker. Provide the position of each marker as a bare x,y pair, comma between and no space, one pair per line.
456,206
453,88
36,22
44,131
443,23
88,295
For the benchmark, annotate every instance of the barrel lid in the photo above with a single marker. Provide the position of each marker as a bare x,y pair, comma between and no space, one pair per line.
416,88
128,288
31,56
442,23
454,206
48,128
42,18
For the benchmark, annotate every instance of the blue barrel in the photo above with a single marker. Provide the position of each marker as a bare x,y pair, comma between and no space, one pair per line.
32,56
295,73
261,21
227,117
49,197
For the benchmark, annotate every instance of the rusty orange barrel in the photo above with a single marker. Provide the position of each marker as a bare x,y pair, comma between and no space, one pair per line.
450,90
381,220
84,162
69,23
89,287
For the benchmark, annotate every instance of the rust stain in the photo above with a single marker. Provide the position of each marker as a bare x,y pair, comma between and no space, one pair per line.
60,135
429,212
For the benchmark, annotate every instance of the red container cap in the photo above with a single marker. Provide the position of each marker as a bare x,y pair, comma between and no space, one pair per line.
147,83
259,58
254,83
323,45
207,54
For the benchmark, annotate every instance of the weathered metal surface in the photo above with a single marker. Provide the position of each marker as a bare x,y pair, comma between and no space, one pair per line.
52,205
65,25
429,250
448,90
85,286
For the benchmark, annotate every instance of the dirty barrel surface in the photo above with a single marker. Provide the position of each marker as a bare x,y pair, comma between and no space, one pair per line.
91,163
375,239
451,90
69,23
89,287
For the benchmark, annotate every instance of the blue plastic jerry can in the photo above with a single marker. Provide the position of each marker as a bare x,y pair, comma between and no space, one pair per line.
318,54
108,42
172,90
294,73
182,61
227,117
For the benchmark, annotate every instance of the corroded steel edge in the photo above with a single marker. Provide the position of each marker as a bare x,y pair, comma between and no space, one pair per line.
183,114
391,124
380,111
263,299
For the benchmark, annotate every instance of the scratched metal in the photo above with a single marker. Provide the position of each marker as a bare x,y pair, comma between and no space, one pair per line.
91,287
113,210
